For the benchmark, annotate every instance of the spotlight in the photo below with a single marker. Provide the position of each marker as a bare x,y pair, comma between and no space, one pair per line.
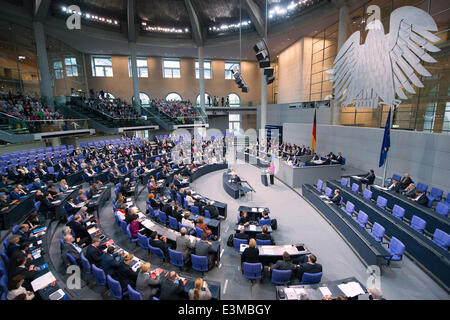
270,79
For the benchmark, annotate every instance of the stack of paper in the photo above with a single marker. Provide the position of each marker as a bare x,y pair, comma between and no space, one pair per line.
252,227
299,292
325,291
290,293
260,209
351,289
42,281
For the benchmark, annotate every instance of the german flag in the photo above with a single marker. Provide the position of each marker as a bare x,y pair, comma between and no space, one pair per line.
314,137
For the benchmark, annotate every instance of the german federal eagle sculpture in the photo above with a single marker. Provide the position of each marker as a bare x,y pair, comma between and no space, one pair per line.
378,71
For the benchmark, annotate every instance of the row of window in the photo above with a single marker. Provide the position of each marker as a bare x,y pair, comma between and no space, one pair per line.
233,99
102,67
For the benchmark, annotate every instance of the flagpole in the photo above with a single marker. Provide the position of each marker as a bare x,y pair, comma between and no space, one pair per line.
387,154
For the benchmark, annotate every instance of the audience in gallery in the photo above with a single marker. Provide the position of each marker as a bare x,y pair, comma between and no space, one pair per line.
115,108
26,108
182,111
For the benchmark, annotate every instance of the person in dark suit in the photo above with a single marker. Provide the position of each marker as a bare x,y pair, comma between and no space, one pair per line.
46,204
111,261
339,159
177,213
13,245
336,199
71,207
285,264
242,235
236,179
156,242
124,274
244,219
410,191
204,248
80,230
309,265
420,198
24,250
369,179
70,247
25,233
172,287
94,252
168,207
28,272
264,235
213,211
250,254
405,181
184,245
394,186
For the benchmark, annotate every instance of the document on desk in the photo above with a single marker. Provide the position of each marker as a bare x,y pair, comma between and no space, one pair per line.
290,293
325,291
254,209
56,202
42,281
351,289
299,292
147,223
252,227
260,209
322,196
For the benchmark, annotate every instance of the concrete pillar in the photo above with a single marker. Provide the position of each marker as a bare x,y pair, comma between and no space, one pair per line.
201,77
134,75
45,84
342,37
263,102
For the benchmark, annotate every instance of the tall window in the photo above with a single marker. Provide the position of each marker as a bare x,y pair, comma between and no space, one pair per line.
207,72
107,95
228,66
234,100
430,114
208,103
446,124
324,50
71,67
58,68
171,68
234,122
102,67
173,96
145,99
142,69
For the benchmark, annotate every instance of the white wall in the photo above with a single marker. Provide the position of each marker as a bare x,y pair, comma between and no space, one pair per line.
425,156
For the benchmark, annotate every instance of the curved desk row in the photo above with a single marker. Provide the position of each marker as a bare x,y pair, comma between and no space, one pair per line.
214,286
202,170
313,290
431,256
368,249
233,189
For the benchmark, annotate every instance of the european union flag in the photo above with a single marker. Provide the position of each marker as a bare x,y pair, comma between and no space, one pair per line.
386,140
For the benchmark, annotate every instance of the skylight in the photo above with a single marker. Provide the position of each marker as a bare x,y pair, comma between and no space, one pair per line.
279,11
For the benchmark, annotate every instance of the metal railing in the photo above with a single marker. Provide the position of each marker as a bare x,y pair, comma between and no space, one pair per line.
16,125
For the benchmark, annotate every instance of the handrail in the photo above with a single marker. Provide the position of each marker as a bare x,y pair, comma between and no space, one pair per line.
27,120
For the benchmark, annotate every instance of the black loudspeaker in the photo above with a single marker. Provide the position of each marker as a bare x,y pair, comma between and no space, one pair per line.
245,89
268,72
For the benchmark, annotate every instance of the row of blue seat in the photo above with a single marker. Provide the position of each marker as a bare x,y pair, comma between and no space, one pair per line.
440,237
434,195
